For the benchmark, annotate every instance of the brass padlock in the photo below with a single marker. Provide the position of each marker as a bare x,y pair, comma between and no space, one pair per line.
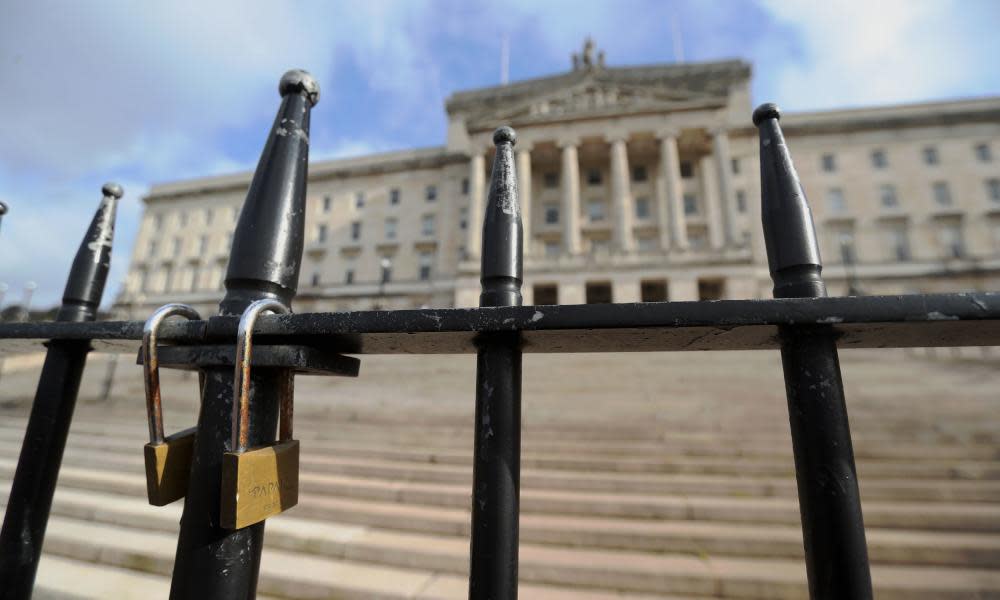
258,482
168,458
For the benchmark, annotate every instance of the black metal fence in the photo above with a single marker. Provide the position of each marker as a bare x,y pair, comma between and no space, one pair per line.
213,562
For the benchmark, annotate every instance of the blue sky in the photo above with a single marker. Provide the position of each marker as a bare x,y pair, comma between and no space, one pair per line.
145,92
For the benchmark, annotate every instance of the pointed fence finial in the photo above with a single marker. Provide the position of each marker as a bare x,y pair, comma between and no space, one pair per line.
89,273
789,233
502,252
266,255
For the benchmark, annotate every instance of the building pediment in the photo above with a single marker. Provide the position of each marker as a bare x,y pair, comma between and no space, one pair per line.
592,98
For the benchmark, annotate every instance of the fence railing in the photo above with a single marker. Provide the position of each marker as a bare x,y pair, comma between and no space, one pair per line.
214,562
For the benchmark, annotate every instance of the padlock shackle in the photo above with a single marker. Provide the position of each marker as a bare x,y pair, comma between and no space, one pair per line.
151,364
241,376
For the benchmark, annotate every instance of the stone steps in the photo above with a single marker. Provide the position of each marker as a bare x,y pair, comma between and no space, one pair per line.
695,538
308,545
284,573
662,463
342,461
457,443
971,517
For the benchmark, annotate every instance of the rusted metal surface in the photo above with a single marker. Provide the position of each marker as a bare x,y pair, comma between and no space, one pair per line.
241,372
151,365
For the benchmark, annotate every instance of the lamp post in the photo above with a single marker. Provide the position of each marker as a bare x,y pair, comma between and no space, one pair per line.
3,210
850,266
386,264
29,291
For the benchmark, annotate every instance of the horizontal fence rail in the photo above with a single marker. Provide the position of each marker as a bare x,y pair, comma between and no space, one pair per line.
936,320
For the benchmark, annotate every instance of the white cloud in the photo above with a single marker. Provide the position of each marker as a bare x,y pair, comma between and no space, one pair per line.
858,53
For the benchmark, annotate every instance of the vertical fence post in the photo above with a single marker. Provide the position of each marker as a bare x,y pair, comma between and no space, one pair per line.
829,502
496,475
55,398
213,563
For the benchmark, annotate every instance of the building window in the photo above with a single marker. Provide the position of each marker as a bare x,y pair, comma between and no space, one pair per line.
390,228
598,292
931,155
356,230
642,210
427,225
178,244
202,245
551,179
734,166
321,233
463,217
653,290
741,201
942,193
394,196
234,214
879,159
545,294
835,202
951,239
690,204
697,238
359,200
431,193
983,153
157,222
552,249
899,242
711,289
349,276
315,280
595,210
551,214
386,270
327,203
647,244
887,196
829,163
594,177
687,170
639,174
993,190
184,219
153,247
209,216
465,186
426,262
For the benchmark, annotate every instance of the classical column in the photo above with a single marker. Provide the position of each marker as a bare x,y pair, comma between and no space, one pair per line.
710,197
621,195
523,167
474,225
670,195
723,169
570,197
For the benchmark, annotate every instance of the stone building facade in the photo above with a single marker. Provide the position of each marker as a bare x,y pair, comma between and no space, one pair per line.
636,183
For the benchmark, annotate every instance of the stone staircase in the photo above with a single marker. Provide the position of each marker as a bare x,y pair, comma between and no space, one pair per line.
638,482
